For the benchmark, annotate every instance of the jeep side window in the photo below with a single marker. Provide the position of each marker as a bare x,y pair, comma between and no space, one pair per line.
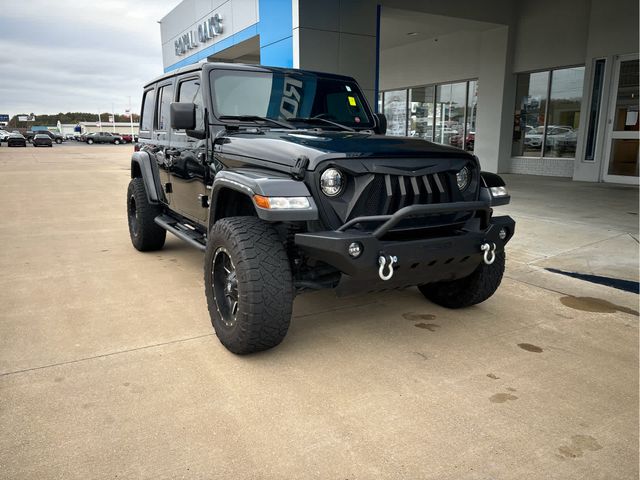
165,97
189,92
146,121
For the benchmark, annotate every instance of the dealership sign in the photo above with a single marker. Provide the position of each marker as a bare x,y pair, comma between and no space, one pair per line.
4,118
210,28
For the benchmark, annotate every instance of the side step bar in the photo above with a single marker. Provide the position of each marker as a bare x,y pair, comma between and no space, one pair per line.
182,231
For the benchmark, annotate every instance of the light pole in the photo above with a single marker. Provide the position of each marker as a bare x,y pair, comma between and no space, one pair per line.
131,119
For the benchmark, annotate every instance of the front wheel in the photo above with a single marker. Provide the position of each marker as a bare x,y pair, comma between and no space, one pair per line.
471,290
89,141
248,284
117,142
58,141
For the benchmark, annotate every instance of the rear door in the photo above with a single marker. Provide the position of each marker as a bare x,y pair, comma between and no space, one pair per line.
187,157
161,135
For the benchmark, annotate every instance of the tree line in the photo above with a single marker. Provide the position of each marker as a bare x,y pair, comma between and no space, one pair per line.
69,118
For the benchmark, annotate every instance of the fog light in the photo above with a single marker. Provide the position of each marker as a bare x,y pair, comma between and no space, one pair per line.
502,234
355,249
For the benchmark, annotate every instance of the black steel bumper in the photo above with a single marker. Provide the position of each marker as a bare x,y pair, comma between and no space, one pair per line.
420,261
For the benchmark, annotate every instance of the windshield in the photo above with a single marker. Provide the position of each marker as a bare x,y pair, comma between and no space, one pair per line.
283,96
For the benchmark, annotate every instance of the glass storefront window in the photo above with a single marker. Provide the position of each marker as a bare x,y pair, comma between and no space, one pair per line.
472,113
421,111
395,109
564,112
547,115
531,99
439,113
450,112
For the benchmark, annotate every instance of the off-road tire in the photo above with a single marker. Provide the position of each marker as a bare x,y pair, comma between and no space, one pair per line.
471,290
145,234
264,285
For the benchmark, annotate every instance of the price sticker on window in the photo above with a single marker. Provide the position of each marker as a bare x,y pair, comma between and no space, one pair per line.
352,100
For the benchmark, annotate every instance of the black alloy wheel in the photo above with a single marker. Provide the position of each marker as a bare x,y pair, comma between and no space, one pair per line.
225,286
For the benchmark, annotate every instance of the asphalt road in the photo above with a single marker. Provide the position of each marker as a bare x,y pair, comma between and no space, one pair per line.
109,367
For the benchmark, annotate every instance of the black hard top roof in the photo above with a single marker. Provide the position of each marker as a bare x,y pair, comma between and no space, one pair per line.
196,67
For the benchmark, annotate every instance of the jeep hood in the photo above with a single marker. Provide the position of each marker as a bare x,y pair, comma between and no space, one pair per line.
284,147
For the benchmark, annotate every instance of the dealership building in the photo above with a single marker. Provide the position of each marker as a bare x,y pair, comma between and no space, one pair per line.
544,88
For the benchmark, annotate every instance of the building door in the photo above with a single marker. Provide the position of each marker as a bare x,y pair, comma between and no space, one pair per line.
621,149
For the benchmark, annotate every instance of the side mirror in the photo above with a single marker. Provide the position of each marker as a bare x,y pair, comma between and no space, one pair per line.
183,116
381,123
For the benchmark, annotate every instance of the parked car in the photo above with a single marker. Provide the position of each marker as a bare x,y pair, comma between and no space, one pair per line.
290,195
533,138
469,143
104,137
4,135
56,137
41,140
126,137
16,140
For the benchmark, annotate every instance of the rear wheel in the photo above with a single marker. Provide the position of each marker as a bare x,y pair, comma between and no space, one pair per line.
248,284
471,290
145,233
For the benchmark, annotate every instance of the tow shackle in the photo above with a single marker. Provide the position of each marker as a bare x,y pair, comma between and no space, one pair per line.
489,252
386,260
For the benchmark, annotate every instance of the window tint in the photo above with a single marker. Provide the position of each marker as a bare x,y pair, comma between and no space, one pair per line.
283,96
189,92
165,97
147,111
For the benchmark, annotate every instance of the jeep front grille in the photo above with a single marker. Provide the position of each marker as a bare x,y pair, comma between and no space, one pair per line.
386,194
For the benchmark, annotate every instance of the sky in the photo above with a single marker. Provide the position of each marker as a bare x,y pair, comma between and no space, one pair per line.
78,56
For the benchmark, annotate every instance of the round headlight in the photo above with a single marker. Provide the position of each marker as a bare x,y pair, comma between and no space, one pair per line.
463,177
331,182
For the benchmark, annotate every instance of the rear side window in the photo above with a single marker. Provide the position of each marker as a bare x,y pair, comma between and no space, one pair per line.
165,97
189,92
147,111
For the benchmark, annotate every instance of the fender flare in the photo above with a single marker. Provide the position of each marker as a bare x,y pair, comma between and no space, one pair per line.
143,166
250,183
492,180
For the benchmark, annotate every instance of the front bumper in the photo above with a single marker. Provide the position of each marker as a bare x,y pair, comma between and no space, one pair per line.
420,261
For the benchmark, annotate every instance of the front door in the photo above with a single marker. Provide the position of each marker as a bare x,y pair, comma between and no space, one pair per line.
621,150
188,167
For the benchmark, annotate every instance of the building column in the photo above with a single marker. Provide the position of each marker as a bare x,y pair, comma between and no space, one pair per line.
337,36
496,99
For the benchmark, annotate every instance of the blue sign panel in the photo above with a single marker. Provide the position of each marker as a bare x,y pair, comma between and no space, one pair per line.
4,118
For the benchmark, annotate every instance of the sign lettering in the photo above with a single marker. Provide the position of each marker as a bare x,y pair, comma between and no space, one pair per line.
209,29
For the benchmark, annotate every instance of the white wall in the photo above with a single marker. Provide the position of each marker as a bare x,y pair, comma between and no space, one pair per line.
337,36
613,30
452,57
550,33
484,55
187,15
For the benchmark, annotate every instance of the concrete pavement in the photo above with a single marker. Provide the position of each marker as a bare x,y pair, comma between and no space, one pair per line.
109,366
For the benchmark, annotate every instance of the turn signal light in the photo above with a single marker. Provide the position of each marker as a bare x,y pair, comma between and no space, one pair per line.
282,203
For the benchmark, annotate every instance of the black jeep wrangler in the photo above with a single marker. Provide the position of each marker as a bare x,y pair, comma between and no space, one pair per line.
285,180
